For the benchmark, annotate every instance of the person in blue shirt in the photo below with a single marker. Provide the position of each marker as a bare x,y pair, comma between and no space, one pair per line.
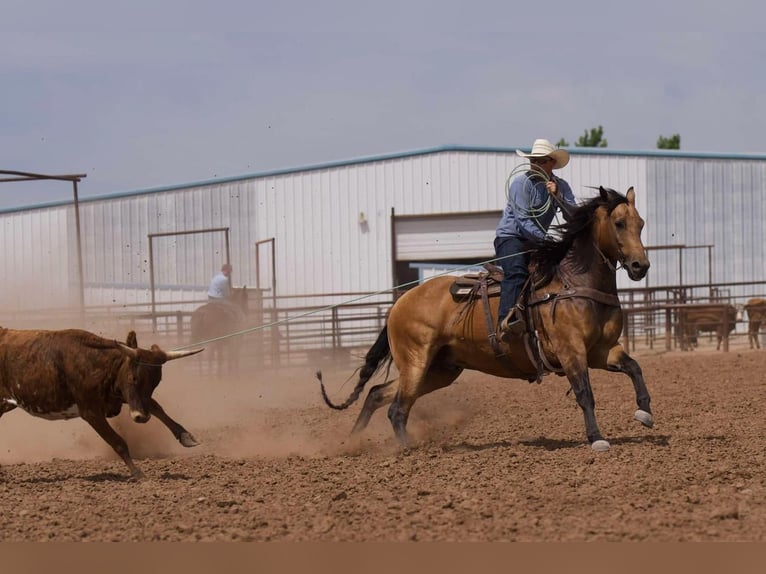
533,199
220,285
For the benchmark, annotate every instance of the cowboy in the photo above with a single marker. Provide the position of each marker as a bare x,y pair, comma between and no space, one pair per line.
533,199
221,294
220,285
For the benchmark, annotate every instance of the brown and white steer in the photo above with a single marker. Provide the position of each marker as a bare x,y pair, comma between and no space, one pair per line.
73,373
756,314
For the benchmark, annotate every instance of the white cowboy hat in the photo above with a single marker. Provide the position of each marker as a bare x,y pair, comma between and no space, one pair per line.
544,148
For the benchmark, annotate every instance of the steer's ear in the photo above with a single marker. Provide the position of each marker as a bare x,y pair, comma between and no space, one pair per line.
132,341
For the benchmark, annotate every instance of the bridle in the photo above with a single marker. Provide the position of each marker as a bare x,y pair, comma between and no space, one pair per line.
605,259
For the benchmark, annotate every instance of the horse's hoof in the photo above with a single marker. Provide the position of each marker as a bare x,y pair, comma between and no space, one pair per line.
644,418
600,445
187,439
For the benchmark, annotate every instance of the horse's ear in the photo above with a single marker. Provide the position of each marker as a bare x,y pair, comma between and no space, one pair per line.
132,340
603,192
631,195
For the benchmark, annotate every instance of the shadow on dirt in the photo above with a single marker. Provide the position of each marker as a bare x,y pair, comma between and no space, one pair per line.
114,477
467,447
554,444
101,477
109,477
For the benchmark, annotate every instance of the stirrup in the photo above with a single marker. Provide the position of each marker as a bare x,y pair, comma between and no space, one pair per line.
513,325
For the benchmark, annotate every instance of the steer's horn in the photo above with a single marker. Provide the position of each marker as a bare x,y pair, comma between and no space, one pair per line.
181,354
129,351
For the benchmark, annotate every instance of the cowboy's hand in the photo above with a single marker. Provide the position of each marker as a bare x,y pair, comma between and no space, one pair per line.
552,188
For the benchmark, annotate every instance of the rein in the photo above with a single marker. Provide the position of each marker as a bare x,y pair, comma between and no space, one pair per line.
606,261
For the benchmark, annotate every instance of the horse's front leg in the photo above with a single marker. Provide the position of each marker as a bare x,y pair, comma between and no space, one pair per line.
584,395
576,369
620,361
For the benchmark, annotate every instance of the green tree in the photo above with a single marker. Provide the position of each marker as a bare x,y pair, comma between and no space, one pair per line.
562,143
594,138
673,142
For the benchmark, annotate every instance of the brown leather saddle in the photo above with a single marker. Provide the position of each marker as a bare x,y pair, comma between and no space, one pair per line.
481,286
469,286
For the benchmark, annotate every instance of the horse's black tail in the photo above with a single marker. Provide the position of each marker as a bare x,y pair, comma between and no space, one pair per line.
378,355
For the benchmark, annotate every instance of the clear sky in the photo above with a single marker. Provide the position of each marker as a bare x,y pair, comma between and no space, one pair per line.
149,93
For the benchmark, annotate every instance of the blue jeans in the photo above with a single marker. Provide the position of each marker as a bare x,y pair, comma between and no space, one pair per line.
515,271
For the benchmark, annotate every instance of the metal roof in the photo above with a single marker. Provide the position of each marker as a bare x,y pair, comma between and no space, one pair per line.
392,156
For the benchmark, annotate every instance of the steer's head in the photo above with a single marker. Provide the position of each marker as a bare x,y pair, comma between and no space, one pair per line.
141,373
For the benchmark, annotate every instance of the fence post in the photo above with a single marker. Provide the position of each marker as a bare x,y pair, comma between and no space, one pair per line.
179,325
668,334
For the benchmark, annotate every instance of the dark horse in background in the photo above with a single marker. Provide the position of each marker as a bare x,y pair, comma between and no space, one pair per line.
573,311
220,320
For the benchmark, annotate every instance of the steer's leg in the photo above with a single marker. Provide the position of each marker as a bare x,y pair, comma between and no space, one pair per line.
5,407
106,432
182,435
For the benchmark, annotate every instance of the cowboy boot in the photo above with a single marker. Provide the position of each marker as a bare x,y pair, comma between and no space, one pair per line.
513,326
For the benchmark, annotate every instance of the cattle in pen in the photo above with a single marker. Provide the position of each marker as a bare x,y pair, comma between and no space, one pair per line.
72,373
705,318
756,315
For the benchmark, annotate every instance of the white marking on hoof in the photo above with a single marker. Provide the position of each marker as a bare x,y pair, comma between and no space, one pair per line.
644,418
600,445
187,440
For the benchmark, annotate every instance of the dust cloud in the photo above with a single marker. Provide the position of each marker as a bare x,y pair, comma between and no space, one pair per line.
255,413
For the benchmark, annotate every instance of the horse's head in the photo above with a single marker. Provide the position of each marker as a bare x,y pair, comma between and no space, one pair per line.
618,235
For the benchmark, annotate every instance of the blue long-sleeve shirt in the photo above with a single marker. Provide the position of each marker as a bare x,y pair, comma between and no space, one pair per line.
522,216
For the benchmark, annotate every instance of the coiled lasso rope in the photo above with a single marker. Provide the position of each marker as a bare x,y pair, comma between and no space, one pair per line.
532,213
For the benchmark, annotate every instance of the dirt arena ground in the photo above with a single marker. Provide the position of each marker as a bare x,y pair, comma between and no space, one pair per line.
496,461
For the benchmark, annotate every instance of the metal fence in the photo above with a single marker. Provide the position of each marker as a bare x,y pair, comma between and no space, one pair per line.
282,331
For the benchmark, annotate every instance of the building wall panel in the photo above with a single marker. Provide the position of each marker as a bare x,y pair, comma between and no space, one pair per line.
322,246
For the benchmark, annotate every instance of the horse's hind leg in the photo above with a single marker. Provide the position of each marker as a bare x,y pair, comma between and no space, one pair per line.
379,395
414,386
620,361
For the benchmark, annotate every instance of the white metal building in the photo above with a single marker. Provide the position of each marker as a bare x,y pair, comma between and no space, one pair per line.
356,226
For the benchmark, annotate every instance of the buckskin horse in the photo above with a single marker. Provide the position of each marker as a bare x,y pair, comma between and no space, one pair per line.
218,319
573,315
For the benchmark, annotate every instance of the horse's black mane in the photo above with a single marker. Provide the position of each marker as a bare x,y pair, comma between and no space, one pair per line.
547,253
